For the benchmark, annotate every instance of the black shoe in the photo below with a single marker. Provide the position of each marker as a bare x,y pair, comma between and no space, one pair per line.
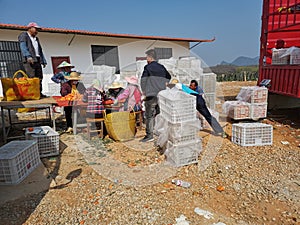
43,96
147,139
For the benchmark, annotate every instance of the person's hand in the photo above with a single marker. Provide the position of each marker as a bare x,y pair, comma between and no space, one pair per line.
30,60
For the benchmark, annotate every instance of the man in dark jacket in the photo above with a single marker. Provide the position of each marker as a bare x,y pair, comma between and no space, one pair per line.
32,53
153,80
203,110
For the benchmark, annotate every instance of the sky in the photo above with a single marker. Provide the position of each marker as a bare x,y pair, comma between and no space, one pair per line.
235,24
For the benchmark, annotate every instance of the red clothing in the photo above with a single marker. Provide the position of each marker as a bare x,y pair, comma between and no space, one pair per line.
66,88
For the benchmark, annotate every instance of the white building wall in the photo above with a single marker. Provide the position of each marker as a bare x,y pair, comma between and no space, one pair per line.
79,49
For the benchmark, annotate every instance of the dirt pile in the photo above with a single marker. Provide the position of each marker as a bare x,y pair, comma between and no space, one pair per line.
95,182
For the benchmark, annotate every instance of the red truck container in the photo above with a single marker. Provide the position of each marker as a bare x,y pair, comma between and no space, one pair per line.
280,21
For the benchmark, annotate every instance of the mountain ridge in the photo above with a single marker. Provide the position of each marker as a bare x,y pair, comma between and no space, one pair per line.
243,61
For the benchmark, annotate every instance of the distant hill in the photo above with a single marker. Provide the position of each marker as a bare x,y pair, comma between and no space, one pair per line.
233,73
243,61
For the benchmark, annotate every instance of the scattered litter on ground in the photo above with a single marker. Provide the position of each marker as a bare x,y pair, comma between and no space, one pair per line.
285,142
205,213
181,220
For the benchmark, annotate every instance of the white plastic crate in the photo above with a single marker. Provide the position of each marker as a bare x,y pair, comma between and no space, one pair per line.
196,64
258,111
210,100
184,153
252,134
237,110
208,82
253,94
17,160
53,89
47,139
295,56
87,78
169,64
278,58
177,106
183,132
184,62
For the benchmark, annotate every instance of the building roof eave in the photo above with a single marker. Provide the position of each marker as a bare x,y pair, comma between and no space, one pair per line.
104,34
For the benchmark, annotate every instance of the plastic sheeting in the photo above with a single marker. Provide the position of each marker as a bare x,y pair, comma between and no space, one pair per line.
253,94
237,109
289,51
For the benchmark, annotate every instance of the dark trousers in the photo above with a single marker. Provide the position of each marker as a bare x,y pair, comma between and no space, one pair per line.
202,108
151,110
68,115
35,70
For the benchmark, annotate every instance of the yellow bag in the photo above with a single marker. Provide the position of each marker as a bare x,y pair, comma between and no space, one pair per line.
24,88
120,126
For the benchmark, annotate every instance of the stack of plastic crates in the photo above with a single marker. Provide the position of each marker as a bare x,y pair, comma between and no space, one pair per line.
179,110
47,139
252,104
177,106
252,134
258,99
17,160
208,82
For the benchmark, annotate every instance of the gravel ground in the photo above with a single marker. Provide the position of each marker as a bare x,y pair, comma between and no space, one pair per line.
95,182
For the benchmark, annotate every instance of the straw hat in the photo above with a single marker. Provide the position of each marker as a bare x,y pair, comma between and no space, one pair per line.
174,81
64,64
132,80
115,85
96,84
73,76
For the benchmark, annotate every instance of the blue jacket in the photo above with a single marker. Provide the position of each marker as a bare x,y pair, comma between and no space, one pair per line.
27,48
198,92
59,78
154,79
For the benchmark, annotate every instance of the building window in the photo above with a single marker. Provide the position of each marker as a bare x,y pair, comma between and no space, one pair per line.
163,53
106,55
10,58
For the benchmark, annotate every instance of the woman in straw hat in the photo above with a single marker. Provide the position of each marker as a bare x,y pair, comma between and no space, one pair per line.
114,90
131,96
71,86
65,70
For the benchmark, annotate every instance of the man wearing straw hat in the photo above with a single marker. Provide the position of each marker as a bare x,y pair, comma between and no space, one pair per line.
71,86
32,52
